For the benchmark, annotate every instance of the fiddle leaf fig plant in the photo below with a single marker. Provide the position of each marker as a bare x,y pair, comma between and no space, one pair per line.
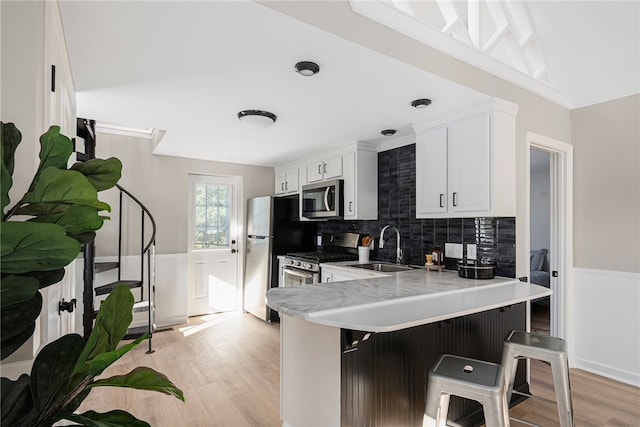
40,235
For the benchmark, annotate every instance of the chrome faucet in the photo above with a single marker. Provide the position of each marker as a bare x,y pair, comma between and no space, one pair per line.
398,250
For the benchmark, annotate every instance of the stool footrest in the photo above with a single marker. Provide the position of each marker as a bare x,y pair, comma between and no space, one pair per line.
521,421
534,397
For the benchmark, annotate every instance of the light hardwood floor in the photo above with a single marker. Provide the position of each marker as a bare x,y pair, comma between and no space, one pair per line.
228,366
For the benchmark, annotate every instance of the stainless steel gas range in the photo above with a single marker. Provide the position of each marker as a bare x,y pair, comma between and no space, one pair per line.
303,268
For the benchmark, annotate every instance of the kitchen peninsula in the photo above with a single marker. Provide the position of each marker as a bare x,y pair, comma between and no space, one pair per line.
357,352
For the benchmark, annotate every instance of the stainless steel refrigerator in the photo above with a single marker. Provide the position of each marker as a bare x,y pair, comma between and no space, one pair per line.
273,228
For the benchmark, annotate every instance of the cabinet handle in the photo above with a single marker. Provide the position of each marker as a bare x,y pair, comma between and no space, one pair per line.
350,206
441,200
325,168
286,185
319,169
282,185
455,199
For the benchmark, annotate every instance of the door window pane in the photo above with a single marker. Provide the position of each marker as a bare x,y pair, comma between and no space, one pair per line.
211,216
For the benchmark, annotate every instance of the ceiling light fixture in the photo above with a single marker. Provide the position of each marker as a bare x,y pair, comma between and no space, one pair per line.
257,118
307,68
388,132
421,103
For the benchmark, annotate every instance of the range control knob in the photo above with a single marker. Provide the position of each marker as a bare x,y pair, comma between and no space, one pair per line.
298,264
308,266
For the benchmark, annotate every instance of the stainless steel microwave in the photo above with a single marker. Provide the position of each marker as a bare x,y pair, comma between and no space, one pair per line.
323,200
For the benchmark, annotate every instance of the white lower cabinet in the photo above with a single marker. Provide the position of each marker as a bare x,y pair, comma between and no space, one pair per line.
466,167
336,273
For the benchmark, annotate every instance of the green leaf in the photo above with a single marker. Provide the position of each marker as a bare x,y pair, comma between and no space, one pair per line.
16,402
35,209
142,378
17,289
10,138
102,361
19,317
65,186
76,219
75,403
10,345
52,371
5,183
114,318
102,174
31,246
115,418
55,149
45,278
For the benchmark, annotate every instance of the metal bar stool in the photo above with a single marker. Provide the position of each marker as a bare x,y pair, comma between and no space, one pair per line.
471,379
518,345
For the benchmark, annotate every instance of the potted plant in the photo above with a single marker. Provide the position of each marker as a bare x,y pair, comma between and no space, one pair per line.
39,236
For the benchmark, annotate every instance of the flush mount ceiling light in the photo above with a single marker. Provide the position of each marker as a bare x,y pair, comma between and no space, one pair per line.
257,118
388,132
307,68
421,103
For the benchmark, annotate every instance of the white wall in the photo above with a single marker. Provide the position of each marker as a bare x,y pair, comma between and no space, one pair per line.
22,99
606,292
161,183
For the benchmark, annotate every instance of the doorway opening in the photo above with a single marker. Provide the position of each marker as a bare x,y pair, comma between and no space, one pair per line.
549,231
540,240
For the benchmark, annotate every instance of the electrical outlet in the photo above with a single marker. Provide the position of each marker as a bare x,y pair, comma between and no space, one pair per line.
471,251
453,250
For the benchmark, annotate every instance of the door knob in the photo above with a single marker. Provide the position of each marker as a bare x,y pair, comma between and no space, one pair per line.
233,251
233,242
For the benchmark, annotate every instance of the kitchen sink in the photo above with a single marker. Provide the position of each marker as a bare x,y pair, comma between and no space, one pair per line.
383,267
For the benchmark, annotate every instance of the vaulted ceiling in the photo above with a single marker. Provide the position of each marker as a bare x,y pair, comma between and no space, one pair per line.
188,68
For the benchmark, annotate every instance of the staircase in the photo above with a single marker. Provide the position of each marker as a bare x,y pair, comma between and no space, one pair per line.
139,277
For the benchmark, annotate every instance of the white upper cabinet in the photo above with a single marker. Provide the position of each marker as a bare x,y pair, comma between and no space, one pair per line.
465,167
431,171
361,183
468,165
325,169
287,180
356,165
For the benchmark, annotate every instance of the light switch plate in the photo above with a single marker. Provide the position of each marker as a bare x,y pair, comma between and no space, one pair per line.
453,250
471,251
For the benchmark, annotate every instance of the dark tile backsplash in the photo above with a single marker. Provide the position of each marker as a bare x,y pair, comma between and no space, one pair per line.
495,237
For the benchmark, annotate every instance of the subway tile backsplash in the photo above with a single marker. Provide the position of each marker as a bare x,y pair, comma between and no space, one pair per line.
494,237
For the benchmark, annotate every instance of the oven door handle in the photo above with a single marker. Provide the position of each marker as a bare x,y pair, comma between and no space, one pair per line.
298,273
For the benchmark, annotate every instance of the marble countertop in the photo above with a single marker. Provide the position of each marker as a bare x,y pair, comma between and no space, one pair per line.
398,300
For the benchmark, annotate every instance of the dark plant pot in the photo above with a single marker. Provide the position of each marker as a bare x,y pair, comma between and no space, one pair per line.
472,270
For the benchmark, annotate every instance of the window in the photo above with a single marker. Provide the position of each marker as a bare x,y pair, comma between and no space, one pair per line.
212,207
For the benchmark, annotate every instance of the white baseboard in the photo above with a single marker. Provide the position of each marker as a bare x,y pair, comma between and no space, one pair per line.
172,321
606,340
627,377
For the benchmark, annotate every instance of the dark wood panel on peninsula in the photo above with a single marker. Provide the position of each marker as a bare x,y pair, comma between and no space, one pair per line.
384,375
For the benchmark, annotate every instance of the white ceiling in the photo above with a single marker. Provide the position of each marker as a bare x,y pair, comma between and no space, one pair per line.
189,67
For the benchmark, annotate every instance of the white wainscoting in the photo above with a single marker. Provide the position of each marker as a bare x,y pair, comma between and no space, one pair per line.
171,285
606,325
